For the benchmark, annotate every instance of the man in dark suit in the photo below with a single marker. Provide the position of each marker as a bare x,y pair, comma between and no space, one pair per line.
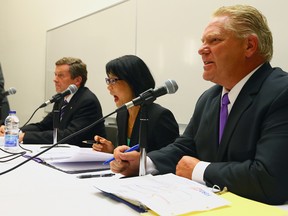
83,108
4,106
251,157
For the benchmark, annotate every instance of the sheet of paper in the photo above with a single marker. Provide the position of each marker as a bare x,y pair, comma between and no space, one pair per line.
70,158
68,153
87,155
165,194
78,167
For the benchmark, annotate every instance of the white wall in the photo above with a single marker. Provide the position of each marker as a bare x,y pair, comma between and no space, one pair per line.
23,27
164,33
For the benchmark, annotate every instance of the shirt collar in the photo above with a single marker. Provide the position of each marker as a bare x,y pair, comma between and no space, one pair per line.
234,92
69,97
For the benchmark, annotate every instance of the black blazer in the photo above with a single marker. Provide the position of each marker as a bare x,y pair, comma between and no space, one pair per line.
4,103
252,158
162,127
83,109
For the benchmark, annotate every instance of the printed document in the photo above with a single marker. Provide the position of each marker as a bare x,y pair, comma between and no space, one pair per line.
164,194
70,158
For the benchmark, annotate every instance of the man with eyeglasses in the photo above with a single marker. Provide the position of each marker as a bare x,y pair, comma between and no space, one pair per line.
4,103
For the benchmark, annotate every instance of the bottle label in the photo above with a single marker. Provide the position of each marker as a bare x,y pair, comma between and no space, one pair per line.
11,141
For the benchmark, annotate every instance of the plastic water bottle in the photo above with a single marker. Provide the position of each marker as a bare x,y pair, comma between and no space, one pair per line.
11,139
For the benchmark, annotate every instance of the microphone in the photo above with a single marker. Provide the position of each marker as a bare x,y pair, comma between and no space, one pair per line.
70,90
170,87
10,91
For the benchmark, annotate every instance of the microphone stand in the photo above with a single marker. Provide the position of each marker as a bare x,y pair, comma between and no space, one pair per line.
65,139
143,139
143,131
56,123
143,124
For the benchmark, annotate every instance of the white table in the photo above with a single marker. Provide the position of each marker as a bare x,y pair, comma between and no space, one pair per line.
35,189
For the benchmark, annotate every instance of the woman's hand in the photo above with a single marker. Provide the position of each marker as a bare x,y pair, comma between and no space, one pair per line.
103,145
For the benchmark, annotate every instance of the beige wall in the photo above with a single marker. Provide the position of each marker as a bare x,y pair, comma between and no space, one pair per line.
23,26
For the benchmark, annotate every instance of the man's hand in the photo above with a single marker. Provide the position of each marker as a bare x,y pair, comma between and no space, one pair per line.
125,163
2,130
186,166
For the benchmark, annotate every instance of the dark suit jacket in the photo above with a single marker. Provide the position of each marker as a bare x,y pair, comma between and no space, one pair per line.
83,109
4,104
162,127
252,158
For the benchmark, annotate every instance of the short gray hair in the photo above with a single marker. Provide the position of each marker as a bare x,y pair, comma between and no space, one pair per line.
76,68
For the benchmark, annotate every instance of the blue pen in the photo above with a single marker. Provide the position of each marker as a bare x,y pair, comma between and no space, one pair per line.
133,148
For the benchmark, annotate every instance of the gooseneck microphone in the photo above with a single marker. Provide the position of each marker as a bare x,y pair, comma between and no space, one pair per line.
70,90
170,87
10,91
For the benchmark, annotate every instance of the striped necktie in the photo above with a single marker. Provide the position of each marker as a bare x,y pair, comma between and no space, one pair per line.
223,114
62,111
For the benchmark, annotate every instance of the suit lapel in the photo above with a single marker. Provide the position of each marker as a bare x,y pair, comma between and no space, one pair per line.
122,119
212,121
73,102
242,103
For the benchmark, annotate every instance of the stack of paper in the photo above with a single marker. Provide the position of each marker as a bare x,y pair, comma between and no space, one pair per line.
164,194
69,158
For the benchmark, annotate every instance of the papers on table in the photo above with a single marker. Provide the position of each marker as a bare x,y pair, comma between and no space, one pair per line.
164,194
69,158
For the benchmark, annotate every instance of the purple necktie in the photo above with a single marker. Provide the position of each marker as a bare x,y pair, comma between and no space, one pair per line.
223,114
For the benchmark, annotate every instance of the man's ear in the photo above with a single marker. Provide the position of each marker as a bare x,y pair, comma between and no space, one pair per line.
78,81
251,45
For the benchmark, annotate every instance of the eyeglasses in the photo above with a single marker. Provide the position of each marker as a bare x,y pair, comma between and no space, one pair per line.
111,80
